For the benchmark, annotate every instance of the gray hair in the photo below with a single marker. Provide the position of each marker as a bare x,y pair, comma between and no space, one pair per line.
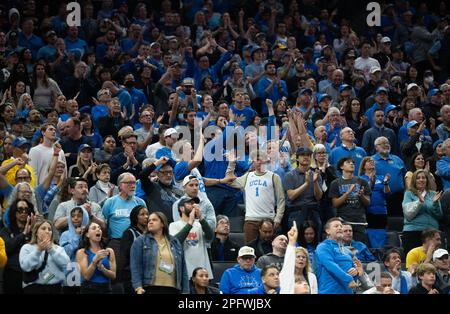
443,108
20,102
122,176
379,139
331,109
222,217
13,196
412,112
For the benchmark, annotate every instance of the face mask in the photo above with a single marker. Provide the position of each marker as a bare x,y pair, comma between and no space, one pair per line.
129,84
428,79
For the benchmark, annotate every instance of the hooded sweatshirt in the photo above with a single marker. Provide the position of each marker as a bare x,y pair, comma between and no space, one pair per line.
333,261
236,280
70,240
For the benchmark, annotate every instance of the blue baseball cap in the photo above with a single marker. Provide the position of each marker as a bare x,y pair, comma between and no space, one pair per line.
344,87
433,92
20,141
381,89
411,124
305,90
320,97
165,152
255,49
83,146
435,144
390,108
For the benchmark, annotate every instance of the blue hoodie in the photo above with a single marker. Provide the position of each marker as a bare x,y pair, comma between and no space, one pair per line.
333,261
70,240
236,280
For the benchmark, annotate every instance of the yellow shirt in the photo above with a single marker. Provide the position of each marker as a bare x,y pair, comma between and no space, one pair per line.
3,257
11,174
415,256
165,255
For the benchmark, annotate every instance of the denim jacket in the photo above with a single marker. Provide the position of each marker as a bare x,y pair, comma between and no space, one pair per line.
143,258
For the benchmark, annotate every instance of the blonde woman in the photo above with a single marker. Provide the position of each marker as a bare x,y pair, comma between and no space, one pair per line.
42,261
421,209
85,166
24,105
296,272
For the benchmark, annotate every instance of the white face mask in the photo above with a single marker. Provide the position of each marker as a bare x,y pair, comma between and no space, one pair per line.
428,79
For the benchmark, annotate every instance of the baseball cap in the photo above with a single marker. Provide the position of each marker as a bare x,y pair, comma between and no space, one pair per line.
83,146
12,53
411,124
390,108
435,144
374,69
385,40
303,151
344,87
103,91
304,90
49,33
320,97
433,92
260,34
13,34
155,43
20,141
188,81
255,49
185,200
381,89
439,253
246,251
279,45
411,85
351,54
169,132
188,179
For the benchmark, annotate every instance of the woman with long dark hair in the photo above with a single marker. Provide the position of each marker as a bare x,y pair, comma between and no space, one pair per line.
354,115
97,262
15,235
167,273
138,226
45,89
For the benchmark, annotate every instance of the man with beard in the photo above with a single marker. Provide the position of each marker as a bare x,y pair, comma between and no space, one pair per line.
385,163
34,123
78,187
162,193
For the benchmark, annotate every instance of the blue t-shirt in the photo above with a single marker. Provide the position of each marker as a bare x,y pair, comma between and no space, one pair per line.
117,213
244,116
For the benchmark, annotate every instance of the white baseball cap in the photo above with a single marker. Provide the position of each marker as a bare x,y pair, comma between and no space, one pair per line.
385,40
411,85
439,253
170,131
188,179
246,251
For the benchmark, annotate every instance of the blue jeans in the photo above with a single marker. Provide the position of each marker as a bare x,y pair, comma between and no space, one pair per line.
223,200
300,216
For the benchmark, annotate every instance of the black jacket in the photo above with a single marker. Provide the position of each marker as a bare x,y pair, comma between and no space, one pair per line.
111,126
209,289
419,289
230,250
159,197
123,263
13,244
261,247
117,161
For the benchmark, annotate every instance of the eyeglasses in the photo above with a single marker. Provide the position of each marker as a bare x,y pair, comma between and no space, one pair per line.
22,178
22,209
247,257
129,182
26,192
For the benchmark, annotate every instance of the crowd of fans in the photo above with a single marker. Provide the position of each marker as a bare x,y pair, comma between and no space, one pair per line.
132,144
